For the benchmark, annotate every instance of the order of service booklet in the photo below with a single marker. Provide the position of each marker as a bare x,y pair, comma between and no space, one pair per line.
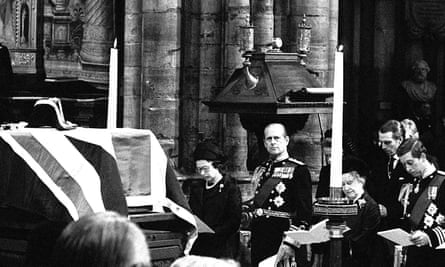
317,234
398,236
401,237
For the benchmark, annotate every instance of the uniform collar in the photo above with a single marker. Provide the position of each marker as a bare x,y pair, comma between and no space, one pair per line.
429,171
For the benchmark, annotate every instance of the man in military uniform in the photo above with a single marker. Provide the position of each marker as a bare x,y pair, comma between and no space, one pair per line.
425,214
282,196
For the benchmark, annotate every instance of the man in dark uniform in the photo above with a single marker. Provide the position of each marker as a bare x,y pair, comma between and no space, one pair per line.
216,200
425,214
282,196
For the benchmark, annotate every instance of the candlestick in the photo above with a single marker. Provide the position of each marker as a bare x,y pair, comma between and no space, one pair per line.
112,89
337,123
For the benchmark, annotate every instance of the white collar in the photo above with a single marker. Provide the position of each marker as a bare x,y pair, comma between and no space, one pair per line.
214,184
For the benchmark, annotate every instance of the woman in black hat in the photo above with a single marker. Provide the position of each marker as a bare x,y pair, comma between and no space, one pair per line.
216,199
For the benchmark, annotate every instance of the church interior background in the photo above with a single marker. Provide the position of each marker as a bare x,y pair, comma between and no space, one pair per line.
173,55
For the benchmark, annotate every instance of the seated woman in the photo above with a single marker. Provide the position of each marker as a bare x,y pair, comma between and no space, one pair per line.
360,243
101,239
360,247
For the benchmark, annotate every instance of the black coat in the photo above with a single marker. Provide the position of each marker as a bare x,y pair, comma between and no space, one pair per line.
220,208
267,232
361,239
384,188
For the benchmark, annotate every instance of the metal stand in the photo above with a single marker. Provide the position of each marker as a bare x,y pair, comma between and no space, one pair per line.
336,209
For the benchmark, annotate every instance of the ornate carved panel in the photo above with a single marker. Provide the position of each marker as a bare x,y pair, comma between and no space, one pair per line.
19,31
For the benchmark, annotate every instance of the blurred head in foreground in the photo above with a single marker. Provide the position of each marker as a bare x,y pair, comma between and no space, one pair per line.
201,261
101,239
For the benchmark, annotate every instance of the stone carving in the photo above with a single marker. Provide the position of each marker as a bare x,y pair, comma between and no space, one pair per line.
98,31
416,98
24,59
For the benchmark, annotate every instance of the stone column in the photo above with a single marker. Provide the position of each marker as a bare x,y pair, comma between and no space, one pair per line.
160,71
235,136
97,41
189,108
211,39
318,16
132,64
280,15
324,23
263,21
384,39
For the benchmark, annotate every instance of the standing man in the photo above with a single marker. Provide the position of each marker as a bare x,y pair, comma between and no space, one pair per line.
425,214
388,175
217,201
282,196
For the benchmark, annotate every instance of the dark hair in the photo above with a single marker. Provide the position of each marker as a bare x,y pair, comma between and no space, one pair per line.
412,145
351,163
209,151
395,127
101,239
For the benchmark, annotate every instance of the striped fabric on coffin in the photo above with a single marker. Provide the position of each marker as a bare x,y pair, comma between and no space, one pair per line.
82,176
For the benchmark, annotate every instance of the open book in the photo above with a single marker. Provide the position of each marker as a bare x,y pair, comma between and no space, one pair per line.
398,236
317,234
401,237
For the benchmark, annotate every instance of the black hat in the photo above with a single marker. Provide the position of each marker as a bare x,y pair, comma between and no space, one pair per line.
208,151
351,163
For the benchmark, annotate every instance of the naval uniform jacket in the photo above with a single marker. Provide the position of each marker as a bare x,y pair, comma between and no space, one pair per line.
431,221
220,208
291,194
384,187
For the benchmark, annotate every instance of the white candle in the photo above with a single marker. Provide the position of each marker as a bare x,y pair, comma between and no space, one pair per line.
337,123
112,89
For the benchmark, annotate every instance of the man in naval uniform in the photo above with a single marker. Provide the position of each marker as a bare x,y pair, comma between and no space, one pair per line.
425,200
282,197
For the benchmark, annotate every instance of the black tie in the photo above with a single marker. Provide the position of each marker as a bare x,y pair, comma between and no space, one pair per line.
390,166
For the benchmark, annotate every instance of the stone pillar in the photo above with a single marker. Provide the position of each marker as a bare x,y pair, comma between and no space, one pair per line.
97,41
263,21
132,64
318,16
280,14
211,38
384,39
160,71
189,113
235,136
324,21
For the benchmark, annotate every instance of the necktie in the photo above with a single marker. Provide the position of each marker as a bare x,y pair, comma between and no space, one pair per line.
390,166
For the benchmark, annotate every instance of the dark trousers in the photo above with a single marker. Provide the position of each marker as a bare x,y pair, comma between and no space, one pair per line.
425,257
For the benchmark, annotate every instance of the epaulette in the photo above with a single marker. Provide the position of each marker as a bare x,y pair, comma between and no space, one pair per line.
296,161
441,173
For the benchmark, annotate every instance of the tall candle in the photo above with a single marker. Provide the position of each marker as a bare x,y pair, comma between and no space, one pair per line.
337,123
112,89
